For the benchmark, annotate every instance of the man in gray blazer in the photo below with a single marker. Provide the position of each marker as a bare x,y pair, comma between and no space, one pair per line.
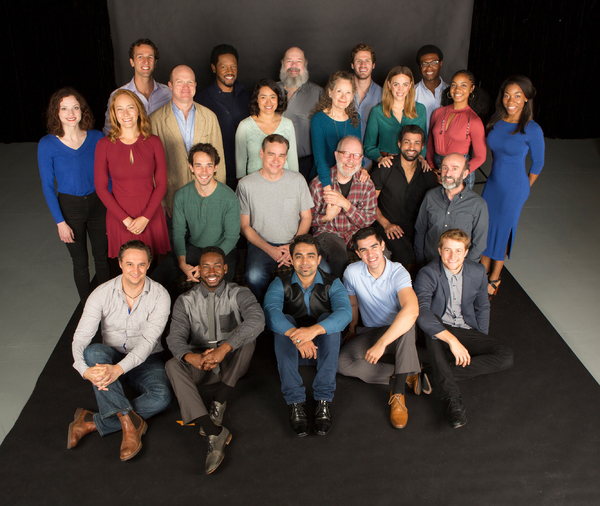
454,313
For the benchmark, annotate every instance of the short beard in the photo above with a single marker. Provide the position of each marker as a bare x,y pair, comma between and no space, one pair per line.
293,82
342,170
457,183
405,156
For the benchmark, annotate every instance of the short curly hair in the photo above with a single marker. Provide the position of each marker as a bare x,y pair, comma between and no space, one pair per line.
362,47
53,123
143,42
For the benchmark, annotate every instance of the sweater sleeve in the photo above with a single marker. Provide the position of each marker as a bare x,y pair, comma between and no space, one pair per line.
318,134
478,143
372,134
102,177
160,177
241,150
46,166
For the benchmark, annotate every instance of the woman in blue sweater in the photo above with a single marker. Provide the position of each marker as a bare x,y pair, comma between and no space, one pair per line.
333,118
66,155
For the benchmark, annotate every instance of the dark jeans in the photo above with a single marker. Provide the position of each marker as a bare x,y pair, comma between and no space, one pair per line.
289,358
87,217
305,165
149,379
258,271
402,249
168,271
334,254
488,355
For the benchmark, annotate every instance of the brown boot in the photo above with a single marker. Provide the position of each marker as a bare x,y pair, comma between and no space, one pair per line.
134,427
398,411
80,427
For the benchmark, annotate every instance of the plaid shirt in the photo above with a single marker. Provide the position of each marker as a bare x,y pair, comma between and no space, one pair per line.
362,213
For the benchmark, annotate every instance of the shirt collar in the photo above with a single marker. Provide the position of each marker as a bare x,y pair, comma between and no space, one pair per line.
217,291
317,281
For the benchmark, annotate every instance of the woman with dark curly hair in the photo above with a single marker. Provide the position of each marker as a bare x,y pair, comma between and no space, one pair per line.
511,134
397,109
333,118
267,105
66,155
456,127
134,161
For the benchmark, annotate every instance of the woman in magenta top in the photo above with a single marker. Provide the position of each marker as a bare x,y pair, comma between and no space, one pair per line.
456,128
134,161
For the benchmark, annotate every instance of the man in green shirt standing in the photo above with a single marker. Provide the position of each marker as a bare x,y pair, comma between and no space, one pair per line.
207,210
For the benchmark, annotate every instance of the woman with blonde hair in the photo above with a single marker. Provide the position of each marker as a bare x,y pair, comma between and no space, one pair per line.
133,160
397,109
333,118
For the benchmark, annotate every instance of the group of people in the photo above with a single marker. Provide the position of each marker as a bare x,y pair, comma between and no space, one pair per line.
311,178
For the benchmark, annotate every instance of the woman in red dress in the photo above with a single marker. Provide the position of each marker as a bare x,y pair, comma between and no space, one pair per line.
133,160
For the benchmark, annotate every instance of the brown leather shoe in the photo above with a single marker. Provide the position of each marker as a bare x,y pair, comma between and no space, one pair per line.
414,382
398,411
79,427
132,437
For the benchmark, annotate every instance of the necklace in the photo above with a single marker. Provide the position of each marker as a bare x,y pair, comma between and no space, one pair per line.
133,298
336,129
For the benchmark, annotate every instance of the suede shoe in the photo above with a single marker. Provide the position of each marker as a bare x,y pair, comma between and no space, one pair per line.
456,412
79,427
398,411
134,427
322,422
414,382
216,445
298,419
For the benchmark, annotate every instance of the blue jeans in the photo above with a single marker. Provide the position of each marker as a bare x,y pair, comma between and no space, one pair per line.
149,378
289,358
258,270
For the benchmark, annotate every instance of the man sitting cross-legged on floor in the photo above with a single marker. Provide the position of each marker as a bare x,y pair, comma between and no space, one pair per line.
307,312
212,338
133,311
382,291
454,313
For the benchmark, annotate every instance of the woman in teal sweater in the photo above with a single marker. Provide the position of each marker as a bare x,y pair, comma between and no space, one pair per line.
397,109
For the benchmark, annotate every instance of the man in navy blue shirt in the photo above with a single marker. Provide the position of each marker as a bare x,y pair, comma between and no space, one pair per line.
307,312
228,100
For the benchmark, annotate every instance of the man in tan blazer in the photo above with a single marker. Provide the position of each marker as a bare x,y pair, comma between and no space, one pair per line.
180,124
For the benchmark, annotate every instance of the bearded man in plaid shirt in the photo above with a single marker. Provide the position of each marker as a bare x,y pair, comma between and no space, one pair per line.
347,206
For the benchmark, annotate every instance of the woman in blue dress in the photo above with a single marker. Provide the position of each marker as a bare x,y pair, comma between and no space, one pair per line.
66,155
511,134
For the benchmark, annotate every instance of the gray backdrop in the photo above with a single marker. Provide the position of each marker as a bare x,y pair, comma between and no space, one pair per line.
185,31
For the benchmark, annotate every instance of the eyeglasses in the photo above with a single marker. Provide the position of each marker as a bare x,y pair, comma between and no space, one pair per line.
433,63
347,154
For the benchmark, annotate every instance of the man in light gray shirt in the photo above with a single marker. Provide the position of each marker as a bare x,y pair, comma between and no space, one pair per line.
275,206
132,311
302,97
429,90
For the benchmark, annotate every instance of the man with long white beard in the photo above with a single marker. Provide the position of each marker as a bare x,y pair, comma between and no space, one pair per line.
449,207
302,96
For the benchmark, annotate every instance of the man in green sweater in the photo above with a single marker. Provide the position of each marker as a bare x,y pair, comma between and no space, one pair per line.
207,210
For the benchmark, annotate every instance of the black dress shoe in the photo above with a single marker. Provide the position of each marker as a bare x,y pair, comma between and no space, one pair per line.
298,419
456,412
322,421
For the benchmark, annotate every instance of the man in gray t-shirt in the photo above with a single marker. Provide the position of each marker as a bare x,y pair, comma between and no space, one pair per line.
275,207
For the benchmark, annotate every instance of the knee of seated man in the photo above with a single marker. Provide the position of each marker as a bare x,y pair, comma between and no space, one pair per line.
507,357
162,394
96,353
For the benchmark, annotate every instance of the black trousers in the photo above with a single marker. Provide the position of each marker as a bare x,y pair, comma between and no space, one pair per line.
87,218
488,355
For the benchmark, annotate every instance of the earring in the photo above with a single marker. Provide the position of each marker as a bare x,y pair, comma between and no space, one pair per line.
449,96
471,96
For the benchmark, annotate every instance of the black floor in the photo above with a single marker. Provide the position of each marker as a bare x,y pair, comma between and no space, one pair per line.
533,437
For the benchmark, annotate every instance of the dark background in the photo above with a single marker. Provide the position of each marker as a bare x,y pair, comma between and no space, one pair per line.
77,43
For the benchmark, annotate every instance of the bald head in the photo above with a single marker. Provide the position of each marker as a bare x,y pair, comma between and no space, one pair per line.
182,84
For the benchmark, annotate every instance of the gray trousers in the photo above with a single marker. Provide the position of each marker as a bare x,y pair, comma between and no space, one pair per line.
185,379
352,361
